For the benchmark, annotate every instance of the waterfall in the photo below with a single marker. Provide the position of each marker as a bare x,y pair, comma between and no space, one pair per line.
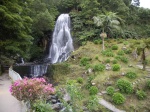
62,44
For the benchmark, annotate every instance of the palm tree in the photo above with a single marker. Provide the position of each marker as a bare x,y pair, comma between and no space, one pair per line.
107,22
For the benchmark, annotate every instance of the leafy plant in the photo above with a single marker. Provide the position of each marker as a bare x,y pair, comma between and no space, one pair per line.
80,80
128,51
93,103
89,84
107,61
114,47
120,52
110,90
84,61
141,94
116,67
124,59
108,53
114,61
98,41
93,90
31,89
41,106
96,57
124,86
131,75
99,67
118,98
148,84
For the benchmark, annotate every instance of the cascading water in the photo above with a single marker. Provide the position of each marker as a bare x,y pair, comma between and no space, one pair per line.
62,44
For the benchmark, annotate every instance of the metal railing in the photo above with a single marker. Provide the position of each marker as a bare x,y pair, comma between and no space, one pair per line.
14,75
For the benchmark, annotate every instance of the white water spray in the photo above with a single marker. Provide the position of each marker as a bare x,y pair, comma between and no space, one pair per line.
62,44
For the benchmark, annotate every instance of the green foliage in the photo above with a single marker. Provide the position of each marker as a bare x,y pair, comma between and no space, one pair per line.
148,84
128,51
110,90
96,57
131,75
120,52
116,67
122,59
89,84
114,61
118,98
93,103
84,61
80,80
93,90
108,53
107,61
141,95
124,86
114,47
99,67
41,106
98,41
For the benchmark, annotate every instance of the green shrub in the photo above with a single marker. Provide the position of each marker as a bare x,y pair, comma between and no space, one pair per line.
118,98
99,67
89,84
93,90
114,47
131,75
116,67
84,61
120,52
108,53
124,59
128,51
41,106
88,66
96,57
107,61
125,43
110,90
80,80
98,41
141,95
148,84
114,61
124,86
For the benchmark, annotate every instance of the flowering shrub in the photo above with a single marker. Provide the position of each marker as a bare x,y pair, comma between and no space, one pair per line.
31,89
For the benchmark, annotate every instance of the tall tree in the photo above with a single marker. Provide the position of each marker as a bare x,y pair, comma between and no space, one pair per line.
107,22
15,30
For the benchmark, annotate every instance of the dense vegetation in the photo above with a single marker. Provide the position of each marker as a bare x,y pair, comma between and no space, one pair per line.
26,26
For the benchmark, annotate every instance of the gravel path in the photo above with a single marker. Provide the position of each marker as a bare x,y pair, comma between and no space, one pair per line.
8,103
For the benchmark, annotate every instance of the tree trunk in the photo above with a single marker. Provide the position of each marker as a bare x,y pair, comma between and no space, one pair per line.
103,47
143,59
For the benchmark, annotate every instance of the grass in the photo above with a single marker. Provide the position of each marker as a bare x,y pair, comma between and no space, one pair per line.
71,70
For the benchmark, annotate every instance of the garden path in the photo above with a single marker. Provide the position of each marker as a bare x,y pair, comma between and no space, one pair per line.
8,103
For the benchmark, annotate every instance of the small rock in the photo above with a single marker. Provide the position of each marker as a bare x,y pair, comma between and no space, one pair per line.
67,97
130,65
108,67
90,70
56,106
93,84
103,92
108,83
124,48
100,94
53,101
123,74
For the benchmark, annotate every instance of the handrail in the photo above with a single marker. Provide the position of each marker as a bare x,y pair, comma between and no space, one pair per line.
14,75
